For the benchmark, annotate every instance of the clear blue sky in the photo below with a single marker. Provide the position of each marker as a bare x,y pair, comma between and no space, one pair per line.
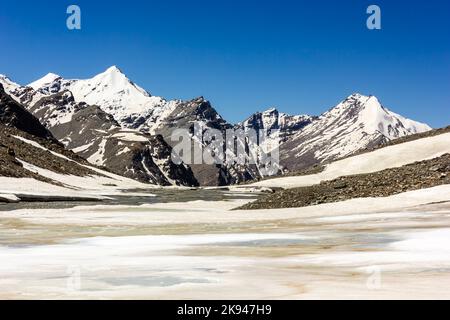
300,56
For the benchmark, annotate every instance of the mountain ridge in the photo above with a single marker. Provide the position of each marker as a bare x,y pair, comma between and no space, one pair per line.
358,122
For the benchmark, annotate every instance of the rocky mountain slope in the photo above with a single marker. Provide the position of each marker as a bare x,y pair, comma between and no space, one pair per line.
199,112
18,130
132,108
97,136
34,166
14,115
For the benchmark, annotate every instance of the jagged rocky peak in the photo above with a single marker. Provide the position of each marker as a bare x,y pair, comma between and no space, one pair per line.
273,119
269,119
203,110
181,114
198,110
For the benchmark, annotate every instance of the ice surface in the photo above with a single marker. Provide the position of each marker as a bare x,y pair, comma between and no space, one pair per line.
201,250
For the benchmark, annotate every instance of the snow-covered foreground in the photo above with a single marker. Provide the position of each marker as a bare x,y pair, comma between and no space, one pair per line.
384,158
362,248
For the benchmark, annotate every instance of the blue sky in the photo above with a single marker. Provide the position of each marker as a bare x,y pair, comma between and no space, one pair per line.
300,56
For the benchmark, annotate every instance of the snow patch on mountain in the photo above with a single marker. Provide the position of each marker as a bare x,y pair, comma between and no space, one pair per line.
98,158
133,136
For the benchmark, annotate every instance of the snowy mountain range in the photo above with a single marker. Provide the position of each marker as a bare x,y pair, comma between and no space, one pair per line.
113,122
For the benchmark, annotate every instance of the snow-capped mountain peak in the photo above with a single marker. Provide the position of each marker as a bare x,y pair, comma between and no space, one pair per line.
113,81
114,69
132,106
374,117
111,90
44,81
356,123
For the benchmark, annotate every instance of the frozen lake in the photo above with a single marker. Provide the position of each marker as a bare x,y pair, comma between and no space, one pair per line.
171,246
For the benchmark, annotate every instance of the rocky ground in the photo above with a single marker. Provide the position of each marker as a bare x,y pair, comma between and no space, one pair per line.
384,183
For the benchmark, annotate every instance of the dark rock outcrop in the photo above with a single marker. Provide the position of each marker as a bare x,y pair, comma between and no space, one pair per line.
200,112
14,115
